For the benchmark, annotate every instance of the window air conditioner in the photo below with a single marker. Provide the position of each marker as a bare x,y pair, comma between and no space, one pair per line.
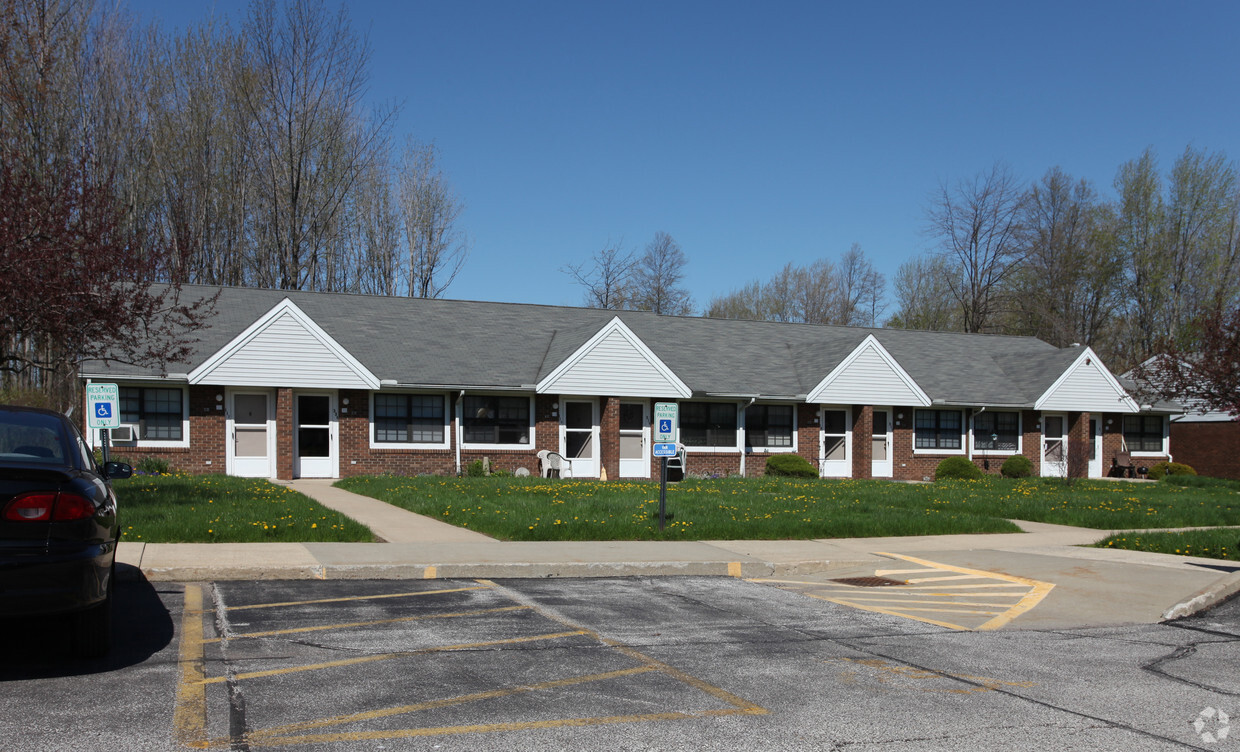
123,433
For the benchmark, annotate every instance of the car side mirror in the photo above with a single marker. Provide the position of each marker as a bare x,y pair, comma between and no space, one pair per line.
117,470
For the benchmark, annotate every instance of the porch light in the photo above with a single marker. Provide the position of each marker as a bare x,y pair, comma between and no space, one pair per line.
219,398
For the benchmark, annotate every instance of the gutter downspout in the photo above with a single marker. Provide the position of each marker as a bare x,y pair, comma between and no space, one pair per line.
456,417
742,422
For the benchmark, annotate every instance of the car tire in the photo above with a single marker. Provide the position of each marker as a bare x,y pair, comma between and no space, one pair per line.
92,627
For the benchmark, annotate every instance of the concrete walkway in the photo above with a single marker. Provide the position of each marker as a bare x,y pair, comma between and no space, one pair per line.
416,546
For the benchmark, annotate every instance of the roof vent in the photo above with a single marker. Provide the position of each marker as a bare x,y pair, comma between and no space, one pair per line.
1075,344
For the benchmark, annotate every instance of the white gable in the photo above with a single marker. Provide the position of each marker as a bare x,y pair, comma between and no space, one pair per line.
868,376
1087,386
284,348
614,362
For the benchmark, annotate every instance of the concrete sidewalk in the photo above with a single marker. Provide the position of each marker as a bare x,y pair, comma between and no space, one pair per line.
421,547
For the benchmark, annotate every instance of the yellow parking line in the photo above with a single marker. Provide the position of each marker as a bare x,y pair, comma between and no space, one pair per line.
350,625
891,612
446,702
357,598
389,656
920,580
189,716
930,602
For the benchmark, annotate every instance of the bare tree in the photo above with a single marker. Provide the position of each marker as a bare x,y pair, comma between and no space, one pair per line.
305,96
608,280
429,211
923,296
861,296
657,278
977,225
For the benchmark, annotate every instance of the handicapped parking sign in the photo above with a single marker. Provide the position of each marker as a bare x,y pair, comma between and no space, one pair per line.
102,408
665,419
665,426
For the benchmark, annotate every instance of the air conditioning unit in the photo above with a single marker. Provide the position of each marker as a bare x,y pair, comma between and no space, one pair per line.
123,433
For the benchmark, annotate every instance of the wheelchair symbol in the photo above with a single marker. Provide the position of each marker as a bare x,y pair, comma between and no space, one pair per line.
103,410
665,426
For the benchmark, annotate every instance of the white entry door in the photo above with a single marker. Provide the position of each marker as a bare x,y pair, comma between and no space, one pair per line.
1054,445
314,419
251,435
635,439
579,436
1095,449
880,445
836,434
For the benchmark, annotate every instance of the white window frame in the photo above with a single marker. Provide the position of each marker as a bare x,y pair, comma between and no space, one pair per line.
1020,436
447,422
771,450
140,443
460,416
964,431
736,439
1166,436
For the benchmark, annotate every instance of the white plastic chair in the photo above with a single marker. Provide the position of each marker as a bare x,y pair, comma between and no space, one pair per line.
553,464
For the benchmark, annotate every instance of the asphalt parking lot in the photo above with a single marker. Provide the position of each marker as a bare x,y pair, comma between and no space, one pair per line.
616,664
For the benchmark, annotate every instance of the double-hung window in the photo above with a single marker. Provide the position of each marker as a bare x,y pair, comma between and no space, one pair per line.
158,413
996,432
768,426
496,420
1144,433
409,419
938,430
708,424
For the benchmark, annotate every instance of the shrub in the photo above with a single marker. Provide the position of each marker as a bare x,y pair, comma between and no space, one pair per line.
1016,466
791,465
152,466
957,468
1162,469
475,469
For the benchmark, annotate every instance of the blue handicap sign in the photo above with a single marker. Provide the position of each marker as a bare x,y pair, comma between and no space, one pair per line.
103,410
665,426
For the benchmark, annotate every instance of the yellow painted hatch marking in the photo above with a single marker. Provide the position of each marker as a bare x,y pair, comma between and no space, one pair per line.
902,598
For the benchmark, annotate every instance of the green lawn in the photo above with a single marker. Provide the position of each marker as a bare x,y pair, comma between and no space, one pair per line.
220,509
537,509
1221,543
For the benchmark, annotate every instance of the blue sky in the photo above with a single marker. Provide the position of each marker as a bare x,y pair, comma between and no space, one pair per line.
758,134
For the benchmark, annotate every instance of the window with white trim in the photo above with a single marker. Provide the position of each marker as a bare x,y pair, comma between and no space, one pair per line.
158,412
996,432
708,424
409,419
496,420
1144,433
938,430
769,426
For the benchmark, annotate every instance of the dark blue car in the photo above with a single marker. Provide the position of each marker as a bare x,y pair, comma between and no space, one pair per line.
58,527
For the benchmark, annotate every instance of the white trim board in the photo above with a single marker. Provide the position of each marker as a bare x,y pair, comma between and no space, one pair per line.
261,357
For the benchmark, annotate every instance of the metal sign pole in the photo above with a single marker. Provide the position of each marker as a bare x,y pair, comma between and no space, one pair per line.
663,493
103,437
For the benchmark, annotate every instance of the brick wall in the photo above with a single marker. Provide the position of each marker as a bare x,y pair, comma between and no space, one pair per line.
1209,448
207,427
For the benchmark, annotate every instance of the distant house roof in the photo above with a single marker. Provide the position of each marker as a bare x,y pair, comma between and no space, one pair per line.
428,343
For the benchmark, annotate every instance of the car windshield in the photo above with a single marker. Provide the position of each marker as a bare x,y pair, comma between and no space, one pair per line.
31,437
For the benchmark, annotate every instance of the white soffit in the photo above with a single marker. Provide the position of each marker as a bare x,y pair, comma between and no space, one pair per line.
284,347
1087,386
868,376
614,362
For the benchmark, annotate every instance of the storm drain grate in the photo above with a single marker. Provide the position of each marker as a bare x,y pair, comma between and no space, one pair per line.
869,582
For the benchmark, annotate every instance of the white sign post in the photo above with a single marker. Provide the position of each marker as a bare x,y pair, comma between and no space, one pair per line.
666,422
103,410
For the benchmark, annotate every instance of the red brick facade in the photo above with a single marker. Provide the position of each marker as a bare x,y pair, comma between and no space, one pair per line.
1204,445
1208,448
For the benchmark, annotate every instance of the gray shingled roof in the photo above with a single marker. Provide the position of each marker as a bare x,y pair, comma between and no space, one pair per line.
465,344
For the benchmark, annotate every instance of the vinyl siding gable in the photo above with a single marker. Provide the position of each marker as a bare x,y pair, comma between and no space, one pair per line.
614,362
1086,386
284,348
868,376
